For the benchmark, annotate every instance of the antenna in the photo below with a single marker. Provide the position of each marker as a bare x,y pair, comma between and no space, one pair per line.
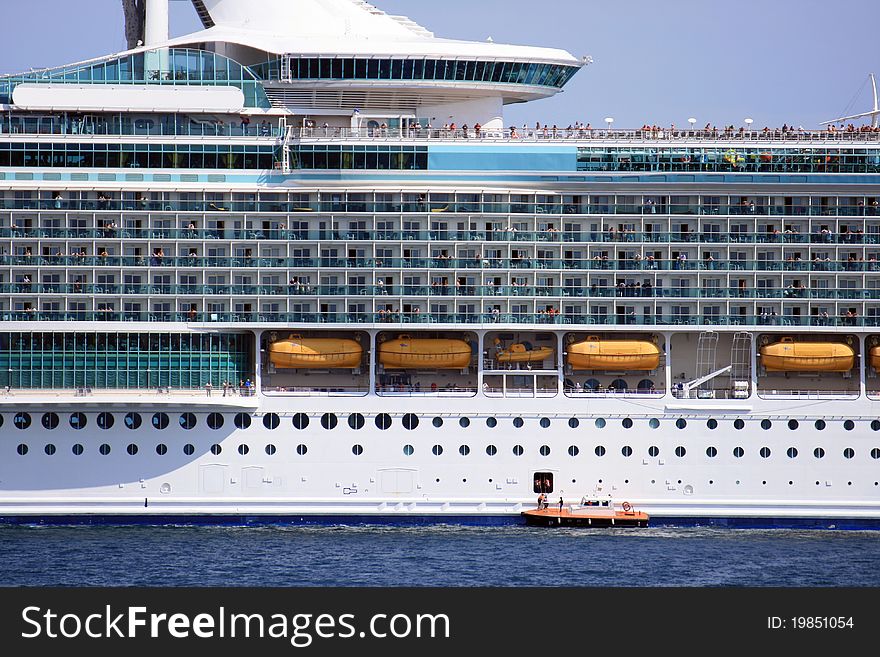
874,113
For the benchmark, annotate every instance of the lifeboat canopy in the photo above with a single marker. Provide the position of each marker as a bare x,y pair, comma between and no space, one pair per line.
407,352
297,352
596,353
787,355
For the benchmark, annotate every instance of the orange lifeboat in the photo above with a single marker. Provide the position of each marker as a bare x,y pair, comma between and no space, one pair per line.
522,352
597,354
874,357
406,352
297,352
790,356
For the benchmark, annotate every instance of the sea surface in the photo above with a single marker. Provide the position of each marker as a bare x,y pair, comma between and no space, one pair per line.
434,555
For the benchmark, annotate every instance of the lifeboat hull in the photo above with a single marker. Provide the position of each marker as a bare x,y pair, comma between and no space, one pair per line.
553,517
874,358
523,355
594,354
425,353
316,353
789,356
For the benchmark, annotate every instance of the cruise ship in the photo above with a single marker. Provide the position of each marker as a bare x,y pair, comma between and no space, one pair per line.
296,267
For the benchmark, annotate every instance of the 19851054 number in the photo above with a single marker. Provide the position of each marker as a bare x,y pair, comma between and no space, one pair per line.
810,623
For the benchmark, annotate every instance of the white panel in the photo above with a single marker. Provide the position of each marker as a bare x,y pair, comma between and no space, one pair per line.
213,478
118,97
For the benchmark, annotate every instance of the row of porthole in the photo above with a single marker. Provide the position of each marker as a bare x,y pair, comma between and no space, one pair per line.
464,450
329,421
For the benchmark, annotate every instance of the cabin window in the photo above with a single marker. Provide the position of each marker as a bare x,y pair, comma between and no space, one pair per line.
543,482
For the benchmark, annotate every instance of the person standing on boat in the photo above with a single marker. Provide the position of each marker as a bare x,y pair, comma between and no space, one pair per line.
560,504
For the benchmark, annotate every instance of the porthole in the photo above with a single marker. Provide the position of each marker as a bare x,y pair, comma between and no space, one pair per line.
464,422
545,422
653,450
328,421
875,453
573,450
738,452
544,450
160,420
21,420
711,452
408,450
681,423
300,421
849,425
712,423
49,449
77,449
627,423
518,422
518,450
410,421
792,452
793,424
383,421
357,450
766,424
105,420
49,421
438,422
654,423
271,420
78,420
216,449
302,450
738,424
848,453
573,423
875,425
819,453
161,449
189,449
491,450
600,451
243,449
356,421
104,449
215,421
820,425
626,450
680,451
187,421
600,423
491,422
132,449
437,450
132,421
765,452
242,420
22,449
464,450
270,450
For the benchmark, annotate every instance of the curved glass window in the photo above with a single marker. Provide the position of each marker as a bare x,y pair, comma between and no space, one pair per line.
315,68
162,67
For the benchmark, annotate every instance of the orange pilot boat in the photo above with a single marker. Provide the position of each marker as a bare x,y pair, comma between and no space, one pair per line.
297,352
790,356
596,510
595,353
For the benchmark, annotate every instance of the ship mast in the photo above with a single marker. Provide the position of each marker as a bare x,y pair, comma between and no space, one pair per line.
134,12
873,113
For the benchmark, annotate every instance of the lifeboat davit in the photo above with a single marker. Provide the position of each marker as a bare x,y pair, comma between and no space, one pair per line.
597,354
790,356
297,352
874,357
523,352
405,352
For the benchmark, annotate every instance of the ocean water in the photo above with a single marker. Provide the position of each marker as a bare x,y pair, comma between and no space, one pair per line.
434,555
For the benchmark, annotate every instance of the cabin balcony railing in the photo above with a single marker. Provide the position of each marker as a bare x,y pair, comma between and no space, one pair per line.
393,318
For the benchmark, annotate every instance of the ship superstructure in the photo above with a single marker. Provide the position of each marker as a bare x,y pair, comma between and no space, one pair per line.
296,266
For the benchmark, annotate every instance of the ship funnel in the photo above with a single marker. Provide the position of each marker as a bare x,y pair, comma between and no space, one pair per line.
156,24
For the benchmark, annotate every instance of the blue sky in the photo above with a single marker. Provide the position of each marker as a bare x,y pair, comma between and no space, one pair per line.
777,61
